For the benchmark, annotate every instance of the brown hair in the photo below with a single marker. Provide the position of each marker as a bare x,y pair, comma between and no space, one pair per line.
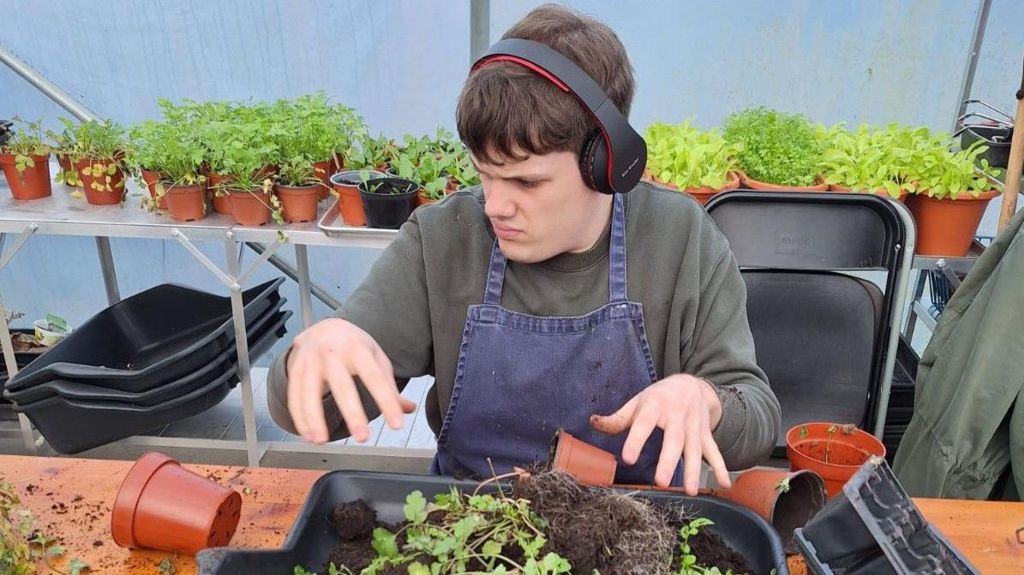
505,110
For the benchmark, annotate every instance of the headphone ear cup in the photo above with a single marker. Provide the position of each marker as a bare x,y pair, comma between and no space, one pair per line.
594,163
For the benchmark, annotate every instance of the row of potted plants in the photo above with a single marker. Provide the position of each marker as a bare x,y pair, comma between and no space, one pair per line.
764,149
256,162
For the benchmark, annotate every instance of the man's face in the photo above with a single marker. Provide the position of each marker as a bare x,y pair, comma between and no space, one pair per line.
540,207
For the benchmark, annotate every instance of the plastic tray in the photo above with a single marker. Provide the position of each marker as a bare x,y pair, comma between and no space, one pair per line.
311,538
873,528
163,334
71,426
258,345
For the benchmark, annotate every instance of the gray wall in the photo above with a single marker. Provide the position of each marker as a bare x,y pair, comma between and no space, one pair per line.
401,64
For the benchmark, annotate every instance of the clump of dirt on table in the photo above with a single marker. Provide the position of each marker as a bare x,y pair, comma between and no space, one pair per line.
594,529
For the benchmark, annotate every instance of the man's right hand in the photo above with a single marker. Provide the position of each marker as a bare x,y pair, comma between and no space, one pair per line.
328,356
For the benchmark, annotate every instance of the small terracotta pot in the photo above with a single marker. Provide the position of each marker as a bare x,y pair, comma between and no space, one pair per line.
703,193
101,197
250,208
151,179
753,184
298,203
947,227
33,182
185,203
422,199
337,164
835,456
64,162
587,464
221,202
322,171
786,499
346,184
162,505
879,192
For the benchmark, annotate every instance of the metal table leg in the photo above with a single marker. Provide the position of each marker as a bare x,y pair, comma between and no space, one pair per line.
10,362
109,272
305,295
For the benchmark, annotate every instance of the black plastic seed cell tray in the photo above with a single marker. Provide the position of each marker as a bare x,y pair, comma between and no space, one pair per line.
312,538
158,335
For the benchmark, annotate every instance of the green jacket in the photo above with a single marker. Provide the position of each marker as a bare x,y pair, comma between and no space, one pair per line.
968,423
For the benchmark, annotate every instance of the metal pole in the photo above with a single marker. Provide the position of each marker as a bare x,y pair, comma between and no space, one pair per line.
63,99
972,60
109,271
242,346
479,28
302,261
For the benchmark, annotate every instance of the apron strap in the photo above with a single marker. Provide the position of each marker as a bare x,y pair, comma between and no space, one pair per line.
617,252
495,276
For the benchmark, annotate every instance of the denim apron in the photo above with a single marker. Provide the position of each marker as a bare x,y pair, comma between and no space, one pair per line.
521,377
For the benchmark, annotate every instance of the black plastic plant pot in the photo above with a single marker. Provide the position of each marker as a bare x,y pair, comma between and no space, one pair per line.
71,426
873,527
312,537
146,340
388,202
5,131
75,390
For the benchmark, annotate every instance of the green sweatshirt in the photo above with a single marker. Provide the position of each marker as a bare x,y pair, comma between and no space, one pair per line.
415,299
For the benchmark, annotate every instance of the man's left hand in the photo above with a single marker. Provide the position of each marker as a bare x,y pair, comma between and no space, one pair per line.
687,409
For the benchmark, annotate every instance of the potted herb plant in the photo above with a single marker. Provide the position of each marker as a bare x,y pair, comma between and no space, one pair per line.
177,156
25,159
779,151
872,160
98,156
145,138
370,157
700,163
298,187
388,201
951,194
64,142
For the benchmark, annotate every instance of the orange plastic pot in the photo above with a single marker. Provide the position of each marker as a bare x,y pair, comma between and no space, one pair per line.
834,455
185,203
587,464
753,184
101,196
298,203
786,499
346,185
422,199
163,506
221,202
31,183
250,208
151,179
946,227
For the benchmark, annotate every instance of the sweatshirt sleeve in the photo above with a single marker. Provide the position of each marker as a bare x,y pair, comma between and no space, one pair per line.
723,354
390,305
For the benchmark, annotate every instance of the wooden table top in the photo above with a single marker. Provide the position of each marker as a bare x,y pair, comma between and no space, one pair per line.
71,500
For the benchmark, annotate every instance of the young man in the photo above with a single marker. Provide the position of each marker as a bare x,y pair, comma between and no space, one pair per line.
517,297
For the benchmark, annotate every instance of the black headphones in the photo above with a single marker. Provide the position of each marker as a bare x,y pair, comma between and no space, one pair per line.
614,156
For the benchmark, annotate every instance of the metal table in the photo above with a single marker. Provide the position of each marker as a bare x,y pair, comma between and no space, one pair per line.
62,214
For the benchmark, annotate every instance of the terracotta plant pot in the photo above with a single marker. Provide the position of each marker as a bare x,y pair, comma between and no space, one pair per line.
31,183
161,505
753,184
298,203
337,164
587,464
250,208
322,171
151,179
101,197
221,202
835,455
185,203
346,184
786,499
946,227
64,162
422,199
879,192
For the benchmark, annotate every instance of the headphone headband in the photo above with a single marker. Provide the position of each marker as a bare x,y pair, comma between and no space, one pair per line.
612,165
